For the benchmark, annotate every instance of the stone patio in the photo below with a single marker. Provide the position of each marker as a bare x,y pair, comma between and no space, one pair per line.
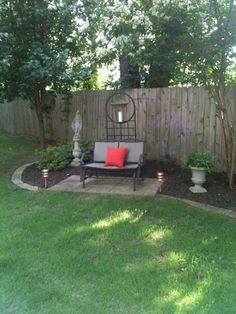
108,185
114,185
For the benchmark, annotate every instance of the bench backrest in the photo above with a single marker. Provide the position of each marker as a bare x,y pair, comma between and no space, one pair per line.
100,150
135,149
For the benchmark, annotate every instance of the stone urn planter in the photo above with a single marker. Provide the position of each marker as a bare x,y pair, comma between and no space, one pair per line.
200,163
198,178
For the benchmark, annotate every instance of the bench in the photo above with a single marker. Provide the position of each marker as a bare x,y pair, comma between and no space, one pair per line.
133,163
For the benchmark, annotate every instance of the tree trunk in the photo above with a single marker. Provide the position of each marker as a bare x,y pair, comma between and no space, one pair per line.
228,133
41,128
227,128
37,103
129,73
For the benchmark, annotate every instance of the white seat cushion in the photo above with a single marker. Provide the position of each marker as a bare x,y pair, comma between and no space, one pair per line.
100,165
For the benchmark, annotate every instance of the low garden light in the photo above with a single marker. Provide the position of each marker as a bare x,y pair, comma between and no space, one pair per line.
45,176
160,180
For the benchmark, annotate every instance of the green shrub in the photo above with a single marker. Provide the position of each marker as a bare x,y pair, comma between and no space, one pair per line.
86,145
200,160
55,157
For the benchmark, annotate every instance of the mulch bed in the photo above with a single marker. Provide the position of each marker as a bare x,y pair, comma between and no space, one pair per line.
177,183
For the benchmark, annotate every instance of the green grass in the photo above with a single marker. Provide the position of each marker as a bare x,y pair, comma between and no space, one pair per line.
77,253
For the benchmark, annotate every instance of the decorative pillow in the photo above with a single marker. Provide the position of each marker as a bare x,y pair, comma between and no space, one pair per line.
116,156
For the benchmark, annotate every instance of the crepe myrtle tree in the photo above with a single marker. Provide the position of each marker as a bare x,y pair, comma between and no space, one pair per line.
211,61
41,51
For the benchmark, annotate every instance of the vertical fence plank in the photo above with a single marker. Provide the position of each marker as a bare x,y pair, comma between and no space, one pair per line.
158,126
172,121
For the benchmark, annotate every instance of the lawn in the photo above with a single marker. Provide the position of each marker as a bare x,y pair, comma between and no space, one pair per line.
77,253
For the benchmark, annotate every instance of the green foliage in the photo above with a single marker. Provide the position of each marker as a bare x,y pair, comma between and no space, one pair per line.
152,36
200,160
89,80
172,42
42,52
58,157
210,54
35,50
86,145
55,157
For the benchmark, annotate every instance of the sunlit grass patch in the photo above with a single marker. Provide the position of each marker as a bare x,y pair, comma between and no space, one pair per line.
60,252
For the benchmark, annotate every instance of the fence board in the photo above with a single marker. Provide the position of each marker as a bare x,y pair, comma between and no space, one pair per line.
172,121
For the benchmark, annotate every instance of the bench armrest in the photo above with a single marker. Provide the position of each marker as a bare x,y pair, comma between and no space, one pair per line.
86,156
141,160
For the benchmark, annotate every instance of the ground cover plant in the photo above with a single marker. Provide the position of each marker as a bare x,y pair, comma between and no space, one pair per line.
77,253
54,157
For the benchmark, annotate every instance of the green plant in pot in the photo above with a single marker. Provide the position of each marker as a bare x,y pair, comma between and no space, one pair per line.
200,164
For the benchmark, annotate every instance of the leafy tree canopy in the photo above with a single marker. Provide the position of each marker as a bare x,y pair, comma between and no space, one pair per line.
163,37
43,48
39,47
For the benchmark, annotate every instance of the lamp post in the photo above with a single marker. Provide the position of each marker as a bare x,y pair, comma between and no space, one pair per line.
45,176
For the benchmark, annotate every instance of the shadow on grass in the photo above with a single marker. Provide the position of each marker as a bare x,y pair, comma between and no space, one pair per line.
120,255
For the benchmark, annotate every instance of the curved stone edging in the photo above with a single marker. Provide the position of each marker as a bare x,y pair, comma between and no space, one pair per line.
208,208
16,178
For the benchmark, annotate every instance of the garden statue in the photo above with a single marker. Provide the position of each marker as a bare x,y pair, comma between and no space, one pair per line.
76,126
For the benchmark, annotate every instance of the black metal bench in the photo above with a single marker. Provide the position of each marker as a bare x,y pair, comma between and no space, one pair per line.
133,163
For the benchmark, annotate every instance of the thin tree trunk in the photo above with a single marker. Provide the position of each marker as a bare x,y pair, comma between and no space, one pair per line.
229,145
225,137
232,166
41,128
227,128
37,103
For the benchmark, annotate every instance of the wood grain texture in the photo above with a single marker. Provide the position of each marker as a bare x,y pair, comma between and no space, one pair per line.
173,122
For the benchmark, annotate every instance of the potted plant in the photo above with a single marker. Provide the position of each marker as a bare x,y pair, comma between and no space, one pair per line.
200,164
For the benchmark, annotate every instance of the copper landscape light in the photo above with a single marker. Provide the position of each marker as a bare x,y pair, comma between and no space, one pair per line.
45,176
160,180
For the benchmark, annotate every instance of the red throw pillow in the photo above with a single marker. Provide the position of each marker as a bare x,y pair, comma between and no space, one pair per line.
116,156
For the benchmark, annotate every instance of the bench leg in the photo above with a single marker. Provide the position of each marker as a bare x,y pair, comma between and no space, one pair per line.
134,181
82,178
138,173
81,174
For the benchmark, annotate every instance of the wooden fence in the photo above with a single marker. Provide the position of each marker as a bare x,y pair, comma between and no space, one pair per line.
172,121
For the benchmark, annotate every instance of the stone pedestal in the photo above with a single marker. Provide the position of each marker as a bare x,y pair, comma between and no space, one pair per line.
197,189
198,178
76,152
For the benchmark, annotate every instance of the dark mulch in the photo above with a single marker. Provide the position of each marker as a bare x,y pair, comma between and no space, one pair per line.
177,183
33,176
